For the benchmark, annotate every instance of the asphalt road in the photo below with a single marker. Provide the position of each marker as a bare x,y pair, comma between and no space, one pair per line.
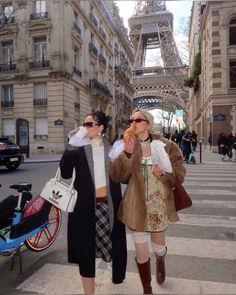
35,173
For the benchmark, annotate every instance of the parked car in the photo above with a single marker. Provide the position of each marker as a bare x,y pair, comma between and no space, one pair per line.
10,155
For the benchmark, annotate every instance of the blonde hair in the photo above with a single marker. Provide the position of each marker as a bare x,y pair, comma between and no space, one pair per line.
148,116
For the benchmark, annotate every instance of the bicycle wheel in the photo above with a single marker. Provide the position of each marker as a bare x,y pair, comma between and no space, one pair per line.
44,239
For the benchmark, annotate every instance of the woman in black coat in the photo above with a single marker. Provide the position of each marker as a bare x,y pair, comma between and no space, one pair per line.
93,229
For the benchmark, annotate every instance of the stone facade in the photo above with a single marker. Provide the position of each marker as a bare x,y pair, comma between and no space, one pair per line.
59,61
213,106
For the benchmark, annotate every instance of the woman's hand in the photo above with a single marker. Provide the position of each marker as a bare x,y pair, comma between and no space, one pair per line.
158,170
129,144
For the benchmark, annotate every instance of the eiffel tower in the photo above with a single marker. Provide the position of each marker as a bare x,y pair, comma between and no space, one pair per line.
160,85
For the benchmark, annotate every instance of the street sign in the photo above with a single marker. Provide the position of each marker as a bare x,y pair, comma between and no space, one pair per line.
219,117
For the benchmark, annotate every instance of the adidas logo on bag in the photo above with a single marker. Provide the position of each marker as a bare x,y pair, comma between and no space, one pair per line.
56,195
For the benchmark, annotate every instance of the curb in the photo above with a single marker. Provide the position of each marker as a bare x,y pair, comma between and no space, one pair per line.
39,161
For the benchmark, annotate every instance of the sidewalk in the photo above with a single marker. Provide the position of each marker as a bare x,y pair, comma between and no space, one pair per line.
42,158
210,157
207,156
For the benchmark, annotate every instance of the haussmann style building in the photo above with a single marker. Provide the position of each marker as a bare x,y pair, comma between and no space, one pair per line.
59,60
212,40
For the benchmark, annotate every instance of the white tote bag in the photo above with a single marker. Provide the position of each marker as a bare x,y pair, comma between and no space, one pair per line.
59,193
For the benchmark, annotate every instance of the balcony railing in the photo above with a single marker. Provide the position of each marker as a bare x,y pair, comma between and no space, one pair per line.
39,64
77,28
39,15
93,49
7,104
7,67
40,102
99,87
102,59
5,20
102,33
77,71
93,19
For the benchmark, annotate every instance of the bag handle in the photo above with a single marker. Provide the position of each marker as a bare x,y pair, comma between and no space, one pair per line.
58,177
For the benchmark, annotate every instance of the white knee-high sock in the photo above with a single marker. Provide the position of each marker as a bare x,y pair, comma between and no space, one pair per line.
159,250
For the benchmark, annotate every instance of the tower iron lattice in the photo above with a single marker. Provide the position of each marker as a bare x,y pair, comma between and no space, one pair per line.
162,85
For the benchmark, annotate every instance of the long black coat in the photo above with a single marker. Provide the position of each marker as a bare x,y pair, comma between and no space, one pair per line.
81,222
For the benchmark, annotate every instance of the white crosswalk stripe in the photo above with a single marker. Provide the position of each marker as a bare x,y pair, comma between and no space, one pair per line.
201,246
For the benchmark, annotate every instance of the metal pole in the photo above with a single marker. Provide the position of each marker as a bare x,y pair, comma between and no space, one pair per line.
200,149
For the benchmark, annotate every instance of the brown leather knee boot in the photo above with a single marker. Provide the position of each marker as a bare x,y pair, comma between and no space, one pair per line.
145,276
160,269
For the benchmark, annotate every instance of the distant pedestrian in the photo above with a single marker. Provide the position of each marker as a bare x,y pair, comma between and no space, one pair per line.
180,140
174,137
222,145
234,147
210,140
194,140
229,145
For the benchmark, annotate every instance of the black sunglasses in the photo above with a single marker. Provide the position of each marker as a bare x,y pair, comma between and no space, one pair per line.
90,124
138,120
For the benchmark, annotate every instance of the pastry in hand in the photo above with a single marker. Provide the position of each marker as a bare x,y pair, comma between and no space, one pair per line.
129,132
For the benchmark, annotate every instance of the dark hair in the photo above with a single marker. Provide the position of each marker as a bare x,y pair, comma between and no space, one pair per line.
101,119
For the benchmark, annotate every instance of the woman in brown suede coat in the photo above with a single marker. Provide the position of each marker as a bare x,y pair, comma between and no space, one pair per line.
152,165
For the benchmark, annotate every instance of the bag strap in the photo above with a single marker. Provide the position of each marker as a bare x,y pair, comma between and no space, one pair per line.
58,176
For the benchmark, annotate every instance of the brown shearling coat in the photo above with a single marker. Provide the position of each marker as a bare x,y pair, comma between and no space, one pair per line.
132,210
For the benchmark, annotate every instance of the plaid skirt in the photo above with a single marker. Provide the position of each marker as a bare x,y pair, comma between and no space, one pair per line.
103,232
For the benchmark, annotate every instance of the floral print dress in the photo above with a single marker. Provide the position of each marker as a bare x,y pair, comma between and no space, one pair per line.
157,219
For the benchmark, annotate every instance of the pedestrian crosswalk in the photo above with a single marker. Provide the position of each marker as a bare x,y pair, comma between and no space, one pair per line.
201,246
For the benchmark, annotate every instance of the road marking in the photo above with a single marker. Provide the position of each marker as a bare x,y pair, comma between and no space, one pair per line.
199,178
211,174
206,192
214,249
216,184
214,204
66,280
207,220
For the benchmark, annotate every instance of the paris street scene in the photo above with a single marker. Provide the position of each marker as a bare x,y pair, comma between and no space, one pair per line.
117,147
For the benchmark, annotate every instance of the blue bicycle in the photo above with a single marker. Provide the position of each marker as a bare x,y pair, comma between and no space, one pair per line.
27,220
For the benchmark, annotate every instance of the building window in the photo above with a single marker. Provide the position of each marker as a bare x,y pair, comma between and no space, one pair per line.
7,52
232,32
76,58
76,18
7,92
232,66
7,96
40,6
8,127
40,49
6,13
92,72
101,77
77,98
41,128
40,94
